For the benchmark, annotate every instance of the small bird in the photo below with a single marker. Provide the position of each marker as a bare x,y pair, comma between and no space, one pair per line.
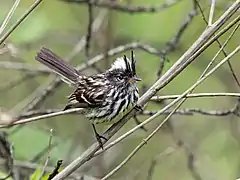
105,96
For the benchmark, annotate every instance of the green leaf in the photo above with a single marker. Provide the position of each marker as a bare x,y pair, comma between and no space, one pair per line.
36,174
3,175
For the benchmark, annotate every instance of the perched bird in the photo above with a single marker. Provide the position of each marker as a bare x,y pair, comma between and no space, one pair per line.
106,96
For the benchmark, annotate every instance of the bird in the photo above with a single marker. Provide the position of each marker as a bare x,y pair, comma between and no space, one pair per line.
105,96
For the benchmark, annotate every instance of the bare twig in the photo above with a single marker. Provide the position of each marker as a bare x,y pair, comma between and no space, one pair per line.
48,154
144,142
191,165
120,49
211,12
20,20
196,95
126,8
219,44
9,15
24,67
30,166
173,42
89,30
192,111
222,47
42,152
27,120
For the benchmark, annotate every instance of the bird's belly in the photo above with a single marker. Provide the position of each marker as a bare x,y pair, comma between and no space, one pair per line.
106,121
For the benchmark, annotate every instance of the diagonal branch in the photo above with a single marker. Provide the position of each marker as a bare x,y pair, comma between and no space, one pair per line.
197,48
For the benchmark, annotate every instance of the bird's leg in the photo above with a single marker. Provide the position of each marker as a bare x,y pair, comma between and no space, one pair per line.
138,122
138,108
98,136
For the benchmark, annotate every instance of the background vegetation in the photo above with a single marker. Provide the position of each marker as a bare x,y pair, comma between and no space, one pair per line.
199,142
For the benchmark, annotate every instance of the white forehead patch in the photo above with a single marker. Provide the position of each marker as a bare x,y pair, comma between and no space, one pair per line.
120,64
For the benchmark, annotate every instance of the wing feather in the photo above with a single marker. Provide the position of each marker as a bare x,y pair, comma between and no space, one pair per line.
90,92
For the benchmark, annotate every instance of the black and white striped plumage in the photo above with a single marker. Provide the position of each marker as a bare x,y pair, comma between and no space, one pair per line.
106,95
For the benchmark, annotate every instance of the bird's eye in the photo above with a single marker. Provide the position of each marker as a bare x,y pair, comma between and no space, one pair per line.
120,77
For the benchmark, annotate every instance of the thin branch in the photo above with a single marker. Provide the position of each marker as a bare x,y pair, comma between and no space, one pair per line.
89,30
24,67
120,49
174,41
144,142
171,45
48,154
196,95
9,15
126,8
20,20
30,166
181,64
191,165
36,118
42,152
192,111
220,50
219,44
210,20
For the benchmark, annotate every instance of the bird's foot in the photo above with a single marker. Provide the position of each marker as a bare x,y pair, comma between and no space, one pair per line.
138,108
99,139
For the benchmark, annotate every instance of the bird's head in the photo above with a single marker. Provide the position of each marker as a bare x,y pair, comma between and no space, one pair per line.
123,70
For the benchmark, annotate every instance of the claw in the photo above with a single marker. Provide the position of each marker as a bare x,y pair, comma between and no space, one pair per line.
138,108
99,137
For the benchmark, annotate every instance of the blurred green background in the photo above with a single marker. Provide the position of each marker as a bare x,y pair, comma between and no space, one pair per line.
213,142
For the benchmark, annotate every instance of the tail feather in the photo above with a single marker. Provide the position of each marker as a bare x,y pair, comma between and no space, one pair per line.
54,62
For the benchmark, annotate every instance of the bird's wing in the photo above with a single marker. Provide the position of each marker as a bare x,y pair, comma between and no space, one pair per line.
90,92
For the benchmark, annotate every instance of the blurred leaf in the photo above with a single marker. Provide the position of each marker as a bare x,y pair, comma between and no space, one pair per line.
3,175
36,174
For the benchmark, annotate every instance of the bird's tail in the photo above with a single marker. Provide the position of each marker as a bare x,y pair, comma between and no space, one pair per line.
54,62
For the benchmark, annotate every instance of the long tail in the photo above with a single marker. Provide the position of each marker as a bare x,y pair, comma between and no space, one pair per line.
54,62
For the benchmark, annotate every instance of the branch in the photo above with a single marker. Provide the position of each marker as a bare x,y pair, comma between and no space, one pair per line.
211,12
126,8
27,120
29,166
181,64
120,49
48,154
89,31
160,112
219,44
9,15
24,67
192,111
173,42
196,95
20,20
